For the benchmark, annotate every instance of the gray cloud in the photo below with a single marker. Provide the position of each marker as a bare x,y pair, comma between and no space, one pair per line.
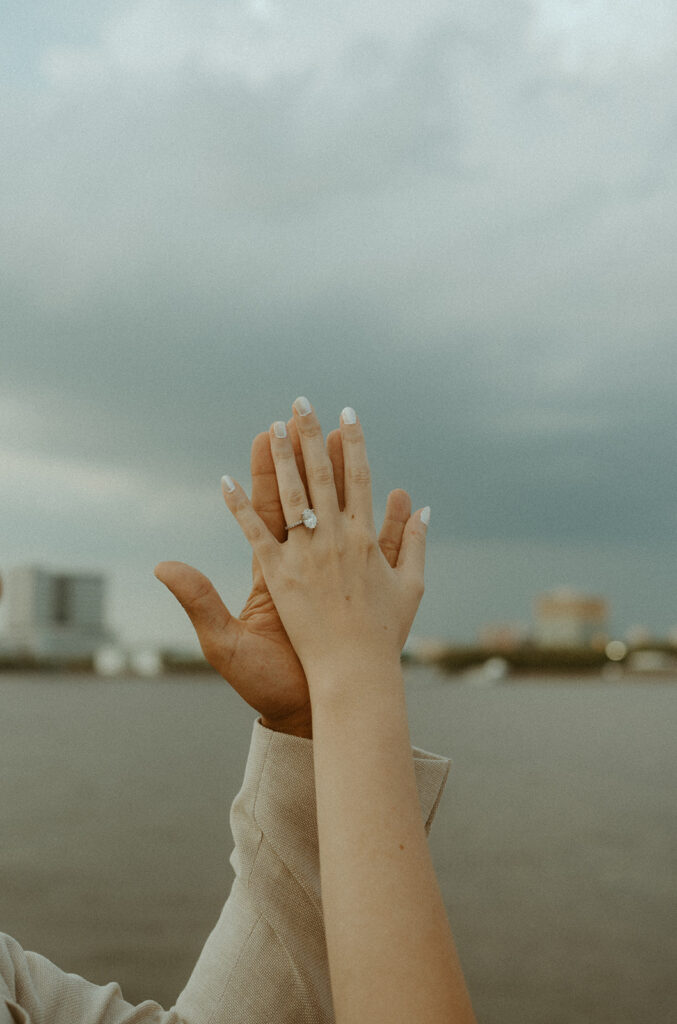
463,225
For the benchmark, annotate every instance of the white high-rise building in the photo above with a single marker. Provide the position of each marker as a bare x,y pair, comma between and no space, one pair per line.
56,615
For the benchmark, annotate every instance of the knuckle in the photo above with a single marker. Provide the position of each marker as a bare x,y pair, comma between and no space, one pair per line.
297,498
311,430
289,583
256,531
199,592
268,506
322,474
367,543
359,474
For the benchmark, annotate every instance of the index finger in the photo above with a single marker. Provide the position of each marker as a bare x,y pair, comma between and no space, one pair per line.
298,451
265,491
265,495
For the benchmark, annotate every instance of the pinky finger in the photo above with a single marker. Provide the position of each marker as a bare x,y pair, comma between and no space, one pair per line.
264,544
411,560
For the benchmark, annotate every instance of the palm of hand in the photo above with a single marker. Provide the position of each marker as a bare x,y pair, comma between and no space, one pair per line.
252,652
264,668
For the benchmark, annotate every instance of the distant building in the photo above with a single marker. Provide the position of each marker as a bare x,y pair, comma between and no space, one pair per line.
502,636
55,616
567,618
637,636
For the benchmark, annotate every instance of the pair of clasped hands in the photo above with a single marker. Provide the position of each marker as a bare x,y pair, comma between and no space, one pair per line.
337,595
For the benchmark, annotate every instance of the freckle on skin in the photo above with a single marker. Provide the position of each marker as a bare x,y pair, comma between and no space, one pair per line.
353,516
401,847
347,597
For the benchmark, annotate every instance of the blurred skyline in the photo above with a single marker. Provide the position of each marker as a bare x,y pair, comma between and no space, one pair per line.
459,219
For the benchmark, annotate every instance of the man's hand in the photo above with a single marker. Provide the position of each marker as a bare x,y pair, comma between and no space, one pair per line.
253,652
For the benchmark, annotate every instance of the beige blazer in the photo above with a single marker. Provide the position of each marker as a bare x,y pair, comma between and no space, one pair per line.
266,959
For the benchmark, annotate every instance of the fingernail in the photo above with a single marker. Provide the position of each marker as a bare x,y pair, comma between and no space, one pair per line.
280,428
349,415
302,406
425,515
228,483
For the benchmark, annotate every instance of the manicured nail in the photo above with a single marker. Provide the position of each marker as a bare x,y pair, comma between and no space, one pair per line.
349,415
302,406
280,428
425,515
228,483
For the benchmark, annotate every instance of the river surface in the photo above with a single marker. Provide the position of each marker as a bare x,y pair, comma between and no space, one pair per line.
555,842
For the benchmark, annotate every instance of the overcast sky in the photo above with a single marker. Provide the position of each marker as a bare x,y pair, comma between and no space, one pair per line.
460,218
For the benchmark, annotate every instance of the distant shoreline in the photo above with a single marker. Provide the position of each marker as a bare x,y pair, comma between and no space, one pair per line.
659,658
525,660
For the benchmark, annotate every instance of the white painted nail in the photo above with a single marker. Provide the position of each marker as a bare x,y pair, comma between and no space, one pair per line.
302,406
425,515
280,428
349,415
228,483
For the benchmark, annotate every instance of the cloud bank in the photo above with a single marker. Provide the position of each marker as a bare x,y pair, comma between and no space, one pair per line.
461,222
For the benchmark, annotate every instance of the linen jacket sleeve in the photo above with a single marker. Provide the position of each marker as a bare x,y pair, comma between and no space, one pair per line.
265,960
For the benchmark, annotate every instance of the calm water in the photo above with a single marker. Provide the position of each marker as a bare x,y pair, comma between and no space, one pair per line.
555,842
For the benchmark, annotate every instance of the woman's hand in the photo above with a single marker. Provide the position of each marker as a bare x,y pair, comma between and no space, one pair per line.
337,594
253,652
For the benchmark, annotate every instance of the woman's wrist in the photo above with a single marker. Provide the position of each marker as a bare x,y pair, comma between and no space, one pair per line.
350,675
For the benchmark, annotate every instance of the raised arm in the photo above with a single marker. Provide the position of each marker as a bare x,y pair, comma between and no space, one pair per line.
265,958
347,612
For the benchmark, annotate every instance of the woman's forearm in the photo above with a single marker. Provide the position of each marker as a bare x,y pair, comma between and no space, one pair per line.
391,952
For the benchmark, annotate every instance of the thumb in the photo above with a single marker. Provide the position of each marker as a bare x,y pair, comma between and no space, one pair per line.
411,560
217,630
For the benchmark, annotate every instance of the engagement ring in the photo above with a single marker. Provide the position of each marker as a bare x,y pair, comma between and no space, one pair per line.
308,519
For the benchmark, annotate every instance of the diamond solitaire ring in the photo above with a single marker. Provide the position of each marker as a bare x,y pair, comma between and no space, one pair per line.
308,519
